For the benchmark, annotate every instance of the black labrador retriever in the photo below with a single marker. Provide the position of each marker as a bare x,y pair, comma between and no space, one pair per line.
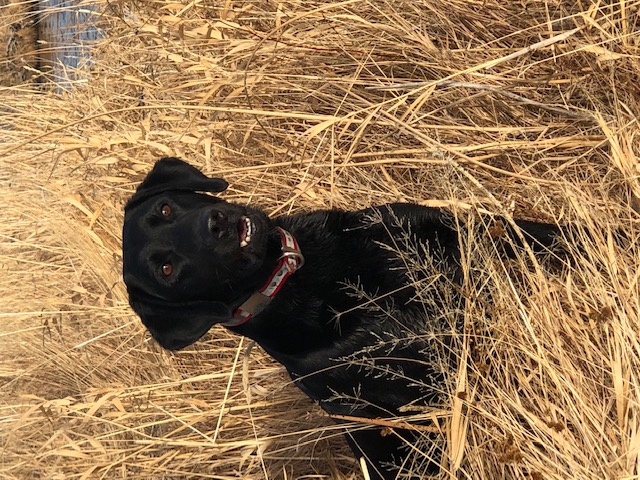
325,293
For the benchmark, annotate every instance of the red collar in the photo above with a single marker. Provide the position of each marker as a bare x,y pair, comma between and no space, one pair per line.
290,261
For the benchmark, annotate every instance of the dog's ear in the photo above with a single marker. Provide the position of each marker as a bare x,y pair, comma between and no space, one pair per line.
173,174
177,325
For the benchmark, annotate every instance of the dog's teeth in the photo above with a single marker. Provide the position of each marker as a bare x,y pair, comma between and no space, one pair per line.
248,232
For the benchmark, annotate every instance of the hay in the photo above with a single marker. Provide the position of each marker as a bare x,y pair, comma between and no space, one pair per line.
19,38
526,109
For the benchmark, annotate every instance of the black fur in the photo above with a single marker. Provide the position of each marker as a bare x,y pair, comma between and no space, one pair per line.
347,326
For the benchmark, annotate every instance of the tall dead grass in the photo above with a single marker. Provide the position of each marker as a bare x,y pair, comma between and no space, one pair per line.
525,109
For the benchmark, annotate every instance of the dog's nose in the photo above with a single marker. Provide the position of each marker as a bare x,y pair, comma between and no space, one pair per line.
217,223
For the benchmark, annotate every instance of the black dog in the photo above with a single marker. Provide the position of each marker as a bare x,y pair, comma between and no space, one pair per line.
325,293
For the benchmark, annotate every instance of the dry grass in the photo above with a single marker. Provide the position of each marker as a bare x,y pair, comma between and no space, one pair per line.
19,41
527,109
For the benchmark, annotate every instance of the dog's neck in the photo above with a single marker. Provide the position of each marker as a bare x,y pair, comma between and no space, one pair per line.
290,260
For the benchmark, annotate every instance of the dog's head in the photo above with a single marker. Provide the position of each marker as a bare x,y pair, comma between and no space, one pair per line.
188,257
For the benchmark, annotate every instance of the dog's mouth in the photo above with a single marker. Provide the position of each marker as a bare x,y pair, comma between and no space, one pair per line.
245,230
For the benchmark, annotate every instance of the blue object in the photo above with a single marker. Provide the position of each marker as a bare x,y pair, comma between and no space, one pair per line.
68,28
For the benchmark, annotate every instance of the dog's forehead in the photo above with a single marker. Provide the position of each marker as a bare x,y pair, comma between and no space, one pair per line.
134,239
134,218
135,234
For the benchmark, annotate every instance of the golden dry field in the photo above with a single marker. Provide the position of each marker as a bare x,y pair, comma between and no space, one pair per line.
526,109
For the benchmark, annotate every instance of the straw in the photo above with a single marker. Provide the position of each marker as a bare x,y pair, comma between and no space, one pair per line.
523,110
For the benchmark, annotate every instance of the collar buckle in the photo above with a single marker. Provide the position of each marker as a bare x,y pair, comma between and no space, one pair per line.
293,258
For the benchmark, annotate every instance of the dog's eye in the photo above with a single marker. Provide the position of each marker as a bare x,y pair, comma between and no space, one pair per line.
167,269
166,210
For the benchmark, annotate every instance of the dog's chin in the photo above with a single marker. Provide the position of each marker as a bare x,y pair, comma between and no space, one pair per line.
252,258
174,344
